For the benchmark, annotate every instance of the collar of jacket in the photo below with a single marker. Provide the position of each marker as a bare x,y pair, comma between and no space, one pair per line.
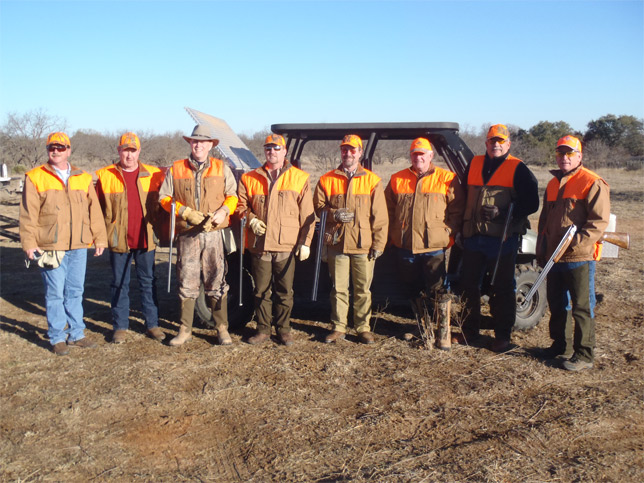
142,171
196,166
429,172
74,171
557,173
360,171
283,169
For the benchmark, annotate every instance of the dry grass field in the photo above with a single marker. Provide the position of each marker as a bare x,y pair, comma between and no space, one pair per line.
393,412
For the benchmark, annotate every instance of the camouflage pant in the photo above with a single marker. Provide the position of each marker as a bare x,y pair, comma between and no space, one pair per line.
201,257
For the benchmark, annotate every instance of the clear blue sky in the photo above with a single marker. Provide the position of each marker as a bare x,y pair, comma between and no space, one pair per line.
111,66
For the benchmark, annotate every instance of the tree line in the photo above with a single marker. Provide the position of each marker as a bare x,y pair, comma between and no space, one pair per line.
609,141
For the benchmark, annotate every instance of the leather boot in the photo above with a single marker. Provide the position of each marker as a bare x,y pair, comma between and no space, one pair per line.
187,316
219,310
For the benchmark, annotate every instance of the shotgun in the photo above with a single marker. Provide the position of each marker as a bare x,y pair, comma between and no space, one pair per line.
505,234
242,241
318,254
173,207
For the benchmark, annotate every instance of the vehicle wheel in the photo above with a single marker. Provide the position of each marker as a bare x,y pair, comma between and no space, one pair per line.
529,316
238,316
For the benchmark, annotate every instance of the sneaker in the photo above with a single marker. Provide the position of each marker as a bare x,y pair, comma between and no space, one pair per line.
366,338
84,343
60,349
258,338
119,336
155,333
286,338
575,364
334,336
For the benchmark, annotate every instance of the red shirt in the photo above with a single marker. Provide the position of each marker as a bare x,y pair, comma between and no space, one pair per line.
136,235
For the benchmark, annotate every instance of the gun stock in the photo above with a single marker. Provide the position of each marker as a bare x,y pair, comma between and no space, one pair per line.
622,240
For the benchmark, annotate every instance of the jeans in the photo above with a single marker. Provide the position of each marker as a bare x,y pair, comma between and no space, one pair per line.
64,297
120,289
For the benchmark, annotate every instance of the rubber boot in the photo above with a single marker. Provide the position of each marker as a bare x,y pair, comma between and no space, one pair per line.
219,310
424,321
187,316
444,339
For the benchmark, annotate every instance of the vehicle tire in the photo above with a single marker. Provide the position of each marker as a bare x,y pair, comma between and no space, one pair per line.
238,316
528,317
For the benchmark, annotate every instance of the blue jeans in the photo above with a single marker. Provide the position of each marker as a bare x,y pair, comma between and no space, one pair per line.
120,289
64,297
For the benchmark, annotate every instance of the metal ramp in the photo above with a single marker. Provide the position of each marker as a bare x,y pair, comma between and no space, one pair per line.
230,147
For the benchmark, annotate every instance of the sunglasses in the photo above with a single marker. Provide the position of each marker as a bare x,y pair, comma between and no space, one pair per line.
60,149
274,148
348,149
568,154
498,140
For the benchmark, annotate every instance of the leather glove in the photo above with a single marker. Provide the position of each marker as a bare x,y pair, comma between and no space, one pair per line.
302,252
489,212
209,225
343,216
373,254
193,217
258,226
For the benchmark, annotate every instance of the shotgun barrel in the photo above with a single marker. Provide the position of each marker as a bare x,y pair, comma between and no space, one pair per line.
173,207
318,255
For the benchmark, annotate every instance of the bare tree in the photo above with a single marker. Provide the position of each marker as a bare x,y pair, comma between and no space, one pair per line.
24,137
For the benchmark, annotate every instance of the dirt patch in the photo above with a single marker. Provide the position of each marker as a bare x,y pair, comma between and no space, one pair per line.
310,412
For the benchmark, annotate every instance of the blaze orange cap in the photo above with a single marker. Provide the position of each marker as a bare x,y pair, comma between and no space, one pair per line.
275,139
59,138
571,141
351,140
420,145
498,131
129,140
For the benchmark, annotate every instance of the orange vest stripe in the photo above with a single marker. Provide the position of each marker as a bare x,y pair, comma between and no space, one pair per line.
503,176
334,184
406,183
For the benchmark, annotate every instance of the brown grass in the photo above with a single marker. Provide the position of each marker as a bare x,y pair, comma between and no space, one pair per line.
312,412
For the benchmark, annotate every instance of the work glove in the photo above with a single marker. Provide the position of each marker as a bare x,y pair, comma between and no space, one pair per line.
193,217
258,226
489,212
373,254
343,216
209,225
302,252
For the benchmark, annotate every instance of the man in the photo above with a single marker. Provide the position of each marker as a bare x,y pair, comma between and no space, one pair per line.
493,182
576,196
204,189
276,200
355,236
425,205
129,194
59,218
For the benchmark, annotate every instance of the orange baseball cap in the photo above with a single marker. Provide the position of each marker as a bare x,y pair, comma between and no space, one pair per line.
59,138
129,140
420,145
275,139
351,140
498,131
571,141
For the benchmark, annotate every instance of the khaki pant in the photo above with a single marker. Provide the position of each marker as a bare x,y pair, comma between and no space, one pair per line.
273,275
201,257
358,269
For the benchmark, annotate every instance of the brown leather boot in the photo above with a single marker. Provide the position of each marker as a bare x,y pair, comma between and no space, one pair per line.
187,316
219,310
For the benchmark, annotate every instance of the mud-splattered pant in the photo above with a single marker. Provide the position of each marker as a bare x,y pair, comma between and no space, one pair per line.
201,257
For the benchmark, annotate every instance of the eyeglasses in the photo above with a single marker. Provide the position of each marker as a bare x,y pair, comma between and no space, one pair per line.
277,147
497,140
567,154
56,147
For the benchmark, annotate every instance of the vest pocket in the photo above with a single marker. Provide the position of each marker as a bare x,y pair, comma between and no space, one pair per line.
289,229
47,229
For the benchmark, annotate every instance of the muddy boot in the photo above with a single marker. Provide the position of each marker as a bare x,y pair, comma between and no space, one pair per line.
424,321
187,315
219,310
444,339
